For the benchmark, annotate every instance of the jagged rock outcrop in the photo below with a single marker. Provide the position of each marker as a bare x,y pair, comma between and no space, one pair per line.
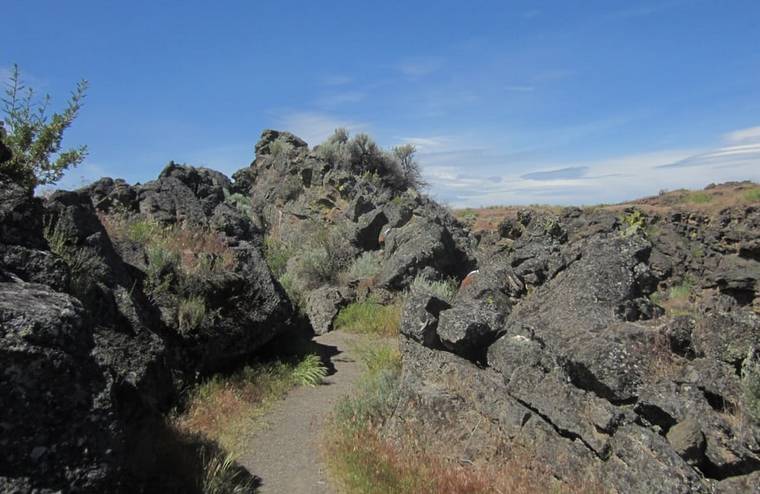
295,190
93,355
607,352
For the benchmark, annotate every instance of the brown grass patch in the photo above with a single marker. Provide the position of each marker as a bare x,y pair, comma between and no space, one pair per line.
366,463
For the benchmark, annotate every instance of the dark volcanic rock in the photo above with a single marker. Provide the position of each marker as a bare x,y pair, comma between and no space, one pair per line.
419,244
89,363
587,373
420,317
56,399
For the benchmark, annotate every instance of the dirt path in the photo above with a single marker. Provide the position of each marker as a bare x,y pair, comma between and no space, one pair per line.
285,452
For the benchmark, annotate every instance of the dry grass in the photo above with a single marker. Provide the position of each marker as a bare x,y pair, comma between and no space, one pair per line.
196,248
366,463
224,409
362,461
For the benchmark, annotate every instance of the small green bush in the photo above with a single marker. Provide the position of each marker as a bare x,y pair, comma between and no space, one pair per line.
280,149
366,265
242,203
85,265
191,313
34,137
361,154
373,401
369,317
277,253
634,222
161,270
682,291
143,230
445,290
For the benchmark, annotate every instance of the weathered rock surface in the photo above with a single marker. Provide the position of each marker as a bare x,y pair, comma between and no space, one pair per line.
555,346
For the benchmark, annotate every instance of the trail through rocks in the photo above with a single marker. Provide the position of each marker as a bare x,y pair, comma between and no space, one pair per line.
285,452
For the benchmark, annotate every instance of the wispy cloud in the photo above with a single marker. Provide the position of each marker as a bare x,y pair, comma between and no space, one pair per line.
751,134
463,178
731,156
562,173
420,67
316,127
743,150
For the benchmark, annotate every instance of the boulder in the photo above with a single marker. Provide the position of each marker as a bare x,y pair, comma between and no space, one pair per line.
687,440
468,329
323,306
366,233
419,244
420,317
268,136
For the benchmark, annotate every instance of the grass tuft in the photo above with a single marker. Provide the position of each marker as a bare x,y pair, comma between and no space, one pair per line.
191,313
310,371
221,475
370,317
445,290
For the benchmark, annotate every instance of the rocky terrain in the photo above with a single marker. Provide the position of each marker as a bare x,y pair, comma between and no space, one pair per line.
619,344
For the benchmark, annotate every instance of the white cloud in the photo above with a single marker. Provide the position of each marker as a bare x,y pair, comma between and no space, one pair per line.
751,134
316,127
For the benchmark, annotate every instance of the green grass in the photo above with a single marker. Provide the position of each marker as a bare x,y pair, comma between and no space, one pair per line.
752,195
681,291
369,317
191,313
698,197
277,253
309,371
143,231
677,300
221,475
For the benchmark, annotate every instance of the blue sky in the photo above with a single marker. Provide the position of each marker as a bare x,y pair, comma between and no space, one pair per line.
565,102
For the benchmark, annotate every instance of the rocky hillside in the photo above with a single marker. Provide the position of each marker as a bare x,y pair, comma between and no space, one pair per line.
608,343
618,344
